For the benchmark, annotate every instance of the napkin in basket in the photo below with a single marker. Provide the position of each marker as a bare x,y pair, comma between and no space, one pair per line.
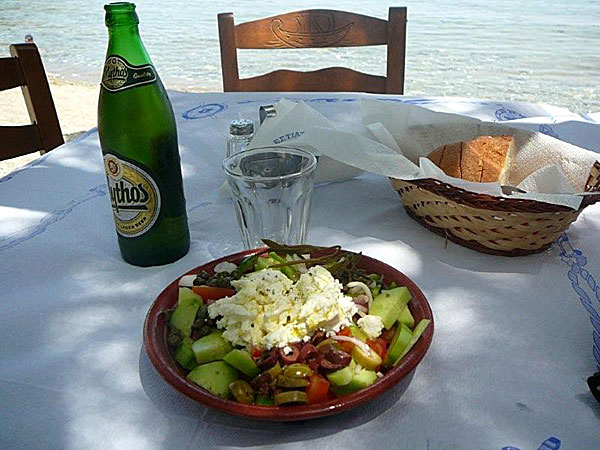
549,170
394,139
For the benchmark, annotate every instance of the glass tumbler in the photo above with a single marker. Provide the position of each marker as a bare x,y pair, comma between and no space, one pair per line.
271,189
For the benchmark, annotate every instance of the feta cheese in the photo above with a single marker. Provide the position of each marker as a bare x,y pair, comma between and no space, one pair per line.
371,325
187,281
225,266
287,350
269,310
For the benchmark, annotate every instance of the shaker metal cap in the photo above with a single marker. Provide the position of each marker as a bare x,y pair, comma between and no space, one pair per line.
241,127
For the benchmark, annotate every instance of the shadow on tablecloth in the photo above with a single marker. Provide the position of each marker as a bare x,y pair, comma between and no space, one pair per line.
172,403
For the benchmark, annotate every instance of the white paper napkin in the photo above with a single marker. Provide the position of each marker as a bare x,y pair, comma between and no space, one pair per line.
394,139
547,168
289,126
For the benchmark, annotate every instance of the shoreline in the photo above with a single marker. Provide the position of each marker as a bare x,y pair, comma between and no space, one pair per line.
76,103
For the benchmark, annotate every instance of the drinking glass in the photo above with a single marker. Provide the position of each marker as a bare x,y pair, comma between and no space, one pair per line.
271,189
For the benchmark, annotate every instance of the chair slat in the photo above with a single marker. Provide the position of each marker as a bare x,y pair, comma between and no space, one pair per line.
19,140
310,29
37,95
11,75
331,79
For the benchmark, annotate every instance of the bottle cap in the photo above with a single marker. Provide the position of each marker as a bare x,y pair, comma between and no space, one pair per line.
241,127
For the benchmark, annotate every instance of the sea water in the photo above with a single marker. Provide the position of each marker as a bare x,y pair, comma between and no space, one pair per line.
544,51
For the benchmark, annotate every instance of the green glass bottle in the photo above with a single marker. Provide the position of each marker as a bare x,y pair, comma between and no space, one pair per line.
139,143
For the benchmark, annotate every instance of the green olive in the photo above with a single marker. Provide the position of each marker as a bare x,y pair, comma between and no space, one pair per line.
331,342
370,360
274,371
290,397
297,370
242,391
288,382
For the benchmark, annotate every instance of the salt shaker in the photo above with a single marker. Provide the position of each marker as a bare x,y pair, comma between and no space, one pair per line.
240,135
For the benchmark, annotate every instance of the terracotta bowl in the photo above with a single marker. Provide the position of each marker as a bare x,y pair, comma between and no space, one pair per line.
155,341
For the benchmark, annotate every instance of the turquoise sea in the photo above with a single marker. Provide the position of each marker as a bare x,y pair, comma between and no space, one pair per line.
544,51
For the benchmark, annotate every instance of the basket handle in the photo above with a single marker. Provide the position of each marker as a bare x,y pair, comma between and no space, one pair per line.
593,182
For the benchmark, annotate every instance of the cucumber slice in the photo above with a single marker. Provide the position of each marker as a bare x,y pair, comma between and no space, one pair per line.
186,294
263,262
406,317
288,271
215,377
343,376
399,342
264,400
243,362
211,348
185,314
364,378
417,332
358,333
184,354
272,259
389,304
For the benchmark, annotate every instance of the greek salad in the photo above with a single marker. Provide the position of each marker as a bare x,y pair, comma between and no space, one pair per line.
290,325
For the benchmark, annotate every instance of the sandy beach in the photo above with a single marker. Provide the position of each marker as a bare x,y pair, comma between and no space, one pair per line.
76,105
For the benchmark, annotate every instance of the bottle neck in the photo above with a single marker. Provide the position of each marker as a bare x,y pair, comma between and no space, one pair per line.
125,41
123,33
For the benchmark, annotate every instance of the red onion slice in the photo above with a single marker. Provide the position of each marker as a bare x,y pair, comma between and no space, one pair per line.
362,309
364,287
365,348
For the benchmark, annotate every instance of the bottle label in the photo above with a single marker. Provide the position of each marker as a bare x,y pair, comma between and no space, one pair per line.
118,74
134,197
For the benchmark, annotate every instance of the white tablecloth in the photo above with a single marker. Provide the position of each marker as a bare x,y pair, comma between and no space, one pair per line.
512,348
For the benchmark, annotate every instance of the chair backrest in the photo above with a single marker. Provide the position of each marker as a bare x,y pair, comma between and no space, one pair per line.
311,29
24,68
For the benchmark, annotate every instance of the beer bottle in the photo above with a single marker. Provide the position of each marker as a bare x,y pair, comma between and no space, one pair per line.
139,144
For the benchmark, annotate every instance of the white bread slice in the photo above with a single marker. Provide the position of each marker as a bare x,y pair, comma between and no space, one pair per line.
484,159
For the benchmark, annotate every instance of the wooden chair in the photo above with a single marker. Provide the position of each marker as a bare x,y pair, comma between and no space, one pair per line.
24,68
311,29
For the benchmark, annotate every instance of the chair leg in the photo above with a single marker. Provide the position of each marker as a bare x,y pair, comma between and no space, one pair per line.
229,63
396,50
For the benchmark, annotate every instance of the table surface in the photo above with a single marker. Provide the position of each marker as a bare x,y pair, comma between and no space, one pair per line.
513,344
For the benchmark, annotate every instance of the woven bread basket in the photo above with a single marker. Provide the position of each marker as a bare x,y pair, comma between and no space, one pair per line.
486,223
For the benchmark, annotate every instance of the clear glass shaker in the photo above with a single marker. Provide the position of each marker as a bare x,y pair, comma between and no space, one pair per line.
240,135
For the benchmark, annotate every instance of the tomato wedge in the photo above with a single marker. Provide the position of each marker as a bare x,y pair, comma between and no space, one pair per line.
344,332
347,346
379,345
318,389
212,293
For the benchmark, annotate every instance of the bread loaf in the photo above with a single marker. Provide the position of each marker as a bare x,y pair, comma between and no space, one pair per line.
485,159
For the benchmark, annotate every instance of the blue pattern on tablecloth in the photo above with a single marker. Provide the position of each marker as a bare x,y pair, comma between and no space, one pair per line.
53,217
204,110
576,261
547,129
504,114
552,443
